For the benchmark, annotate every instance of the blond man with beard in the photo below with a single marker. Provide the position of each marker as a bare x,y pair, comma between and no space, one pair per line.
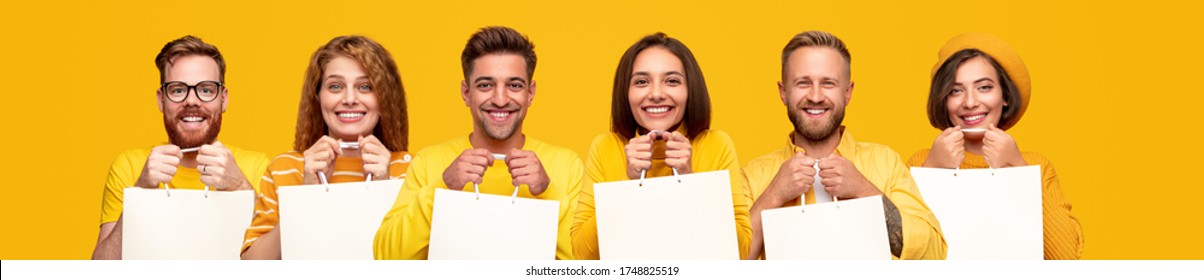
192,97
816,86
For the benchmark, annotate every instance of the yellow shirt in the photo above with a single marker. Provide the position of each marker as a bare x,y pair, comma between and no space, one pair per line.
128,165
1063,234
922,238
405,231
286,170
607,162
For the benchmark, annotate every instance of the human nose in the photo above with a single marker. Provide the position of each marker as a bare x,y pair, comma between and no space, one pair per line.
190,92
498,97
350,97
657,93
969,101
814,95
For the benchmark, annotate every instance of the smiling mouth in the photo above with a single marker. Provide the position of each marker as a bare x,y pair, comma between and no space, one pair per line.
815,111
972,119
350,114
498,115
349,117
192,122
656,110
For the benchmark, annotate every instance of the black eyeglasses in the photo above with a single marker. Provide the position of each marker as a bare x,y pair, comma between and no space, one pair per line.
177,91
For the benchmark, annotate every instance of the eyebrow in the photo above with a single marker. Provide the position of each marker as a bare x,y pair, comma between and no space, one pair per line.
517,79
482,79
977,81
800,78
644,73
341,77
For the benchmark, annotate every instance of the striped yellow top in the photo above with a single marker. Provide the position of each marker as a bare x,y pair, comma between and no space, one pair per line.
286,170
1063,234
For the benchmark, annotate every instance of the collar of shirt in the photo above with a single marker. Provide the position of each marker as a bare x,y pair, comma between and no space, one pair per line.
846,147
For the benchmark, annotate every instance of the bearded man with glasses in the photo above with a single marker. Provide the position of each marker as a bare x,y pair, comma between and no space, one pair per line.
192,97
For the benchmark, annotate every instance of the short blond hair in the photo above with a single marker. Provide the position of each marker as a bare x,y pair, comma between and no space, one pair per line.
815,38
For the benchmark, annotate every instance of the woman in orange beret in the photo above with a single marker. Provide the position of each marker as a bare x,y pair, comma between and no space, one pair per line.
980,88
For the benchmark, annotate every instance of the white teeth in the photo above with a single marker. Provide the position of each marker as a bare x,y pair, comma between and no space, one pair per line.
815,111
350,115
500,115
656,110
974,117
193,119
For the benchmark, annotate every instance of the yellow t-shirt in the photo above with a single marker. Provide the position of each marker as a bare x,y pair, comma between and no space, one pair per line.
883,167
1063,234
128,165
607,162
405,231
286,170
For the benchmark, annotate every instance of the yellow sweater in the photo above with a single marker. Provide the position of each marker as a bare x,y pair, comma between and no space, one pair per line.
922,238
607,162
286,170
1063,234
128,165
405,231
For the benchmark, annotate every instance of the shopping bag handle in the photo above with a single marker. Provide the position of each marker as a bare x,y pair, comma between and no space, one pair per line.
513,196
644,172
835,200
167,189
959,168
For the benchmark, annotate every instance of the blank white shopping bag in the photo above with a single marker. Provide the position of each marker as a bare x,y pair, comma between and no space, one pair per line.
492,227
185,224
335,221
986,213
667,219
853,229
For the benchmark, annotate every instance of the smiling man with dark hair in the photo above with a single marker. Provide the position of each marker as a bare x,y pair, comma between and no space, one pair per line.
498,90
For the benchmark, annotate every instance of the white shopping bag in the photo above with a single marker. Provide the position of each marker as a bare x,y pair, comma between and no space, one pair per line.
986,213
185,224
466,225
667,218
853,229
335,221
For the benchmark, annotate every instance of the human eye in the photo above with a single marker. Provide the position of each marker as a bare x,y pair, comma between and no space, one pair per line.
639,82
334,87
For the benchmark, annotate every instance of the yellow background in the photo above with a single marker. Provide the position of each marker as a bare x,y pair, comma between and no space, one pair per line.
1114,89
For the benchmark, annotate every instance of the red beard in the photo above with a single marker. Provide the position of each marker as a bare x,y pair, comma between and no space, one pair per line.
186,140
